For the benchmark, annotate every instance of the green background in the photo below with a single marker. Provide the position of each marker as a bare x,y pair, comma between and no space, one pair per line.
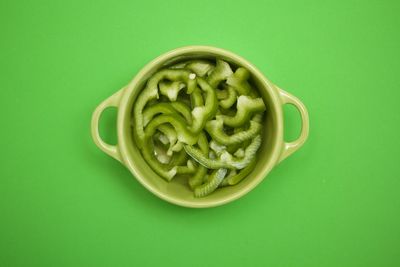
335,202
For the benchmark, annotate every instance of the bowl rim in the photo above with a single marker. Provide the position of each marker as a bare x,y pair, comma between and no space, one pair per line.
269,86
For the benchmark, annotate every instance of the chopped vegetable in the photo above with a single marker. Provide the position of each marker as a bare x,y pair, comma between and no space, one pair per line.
200,120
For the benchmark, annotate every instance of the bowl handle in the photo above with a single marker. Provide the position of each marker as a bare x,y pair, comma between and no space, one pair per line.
290,147
112,101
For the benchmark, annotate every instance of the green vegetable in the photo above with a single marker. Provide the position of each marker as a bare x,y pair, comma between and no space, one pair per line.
183,133
239,81
151,92
202,114
215,180
171,89
237,177
197,116
198,177
200,67
196,98
221,72
215,128
230,99
246,107
226,160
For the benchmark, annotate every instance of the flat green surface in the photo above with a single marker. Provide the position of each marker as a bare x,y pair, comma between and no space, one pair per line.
336,202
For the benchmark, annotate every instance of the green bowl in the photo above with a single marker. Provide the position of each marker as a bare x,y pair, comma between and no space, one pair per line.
272,151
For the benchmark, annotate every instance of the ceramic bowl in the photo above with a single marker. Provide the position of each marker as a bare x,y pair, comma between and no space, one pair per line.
272,151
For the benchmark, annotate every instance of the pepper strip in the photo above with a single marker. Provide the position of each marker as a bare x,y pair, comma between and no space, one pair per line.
196,98
221,72
183,133
246,107
234,147
158,167
200,115
214,181
230,99
235,179
226,160
201,158
178,123
164,170
249,154
171,89
178,158
215,129
150,92
170,133
200,67
183,109
155,109
217,148
222,94
189,169
201,172
238,80
161,155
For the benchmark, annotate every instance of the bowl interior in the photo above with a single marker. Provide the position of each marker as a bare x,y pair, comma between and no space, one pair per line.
177,191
